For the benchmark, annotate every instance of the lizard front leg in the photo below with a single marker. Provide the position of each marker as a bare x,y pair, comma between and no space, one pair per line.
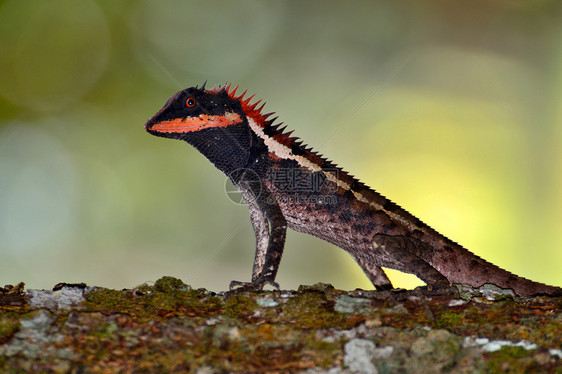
398,252
270,228
260,225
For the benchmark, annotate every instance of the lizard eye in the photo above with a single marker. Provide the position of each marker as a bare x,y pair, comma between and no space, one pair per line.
190,103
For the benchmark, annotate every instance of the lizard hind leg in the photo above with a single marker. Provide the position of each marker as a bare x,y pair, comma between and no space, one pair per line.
375,274
398,252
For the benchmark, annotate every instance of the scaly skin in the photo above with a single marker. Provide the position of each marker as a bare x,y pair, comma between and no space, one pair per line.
286,184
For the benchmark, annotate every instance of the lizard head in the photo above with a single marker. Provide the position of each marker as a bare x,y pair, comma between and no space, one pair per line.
213,121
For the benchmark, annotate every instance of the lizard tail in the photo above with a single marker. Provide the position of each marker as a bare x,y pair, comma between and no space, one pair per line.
459,265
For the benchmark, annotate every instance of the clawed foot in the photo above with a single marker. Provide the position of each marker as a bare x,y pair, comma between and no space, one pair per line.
257,285
438,289
384,287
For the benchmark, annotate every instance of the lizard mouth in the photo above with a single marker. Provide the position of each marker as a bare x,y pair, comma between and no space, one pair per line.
161,134
191,124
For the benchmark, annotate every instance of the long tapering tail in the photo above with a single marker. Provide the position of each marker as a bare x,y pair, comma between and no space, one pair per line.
459,265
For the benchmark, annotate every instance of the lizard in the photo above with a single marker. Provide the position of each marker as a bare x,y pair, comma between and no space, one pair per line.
286,184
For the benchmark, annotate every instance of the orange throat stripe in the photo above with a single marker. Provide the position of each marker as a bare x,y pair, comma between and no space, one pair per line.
191,124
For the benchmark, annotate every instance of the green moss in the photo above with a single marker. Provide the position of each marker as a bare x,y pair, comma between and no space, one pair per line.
510,359
169,327
325,354
313,310
251,348
449,319
550,334
170,285
9,325
239,306
169,297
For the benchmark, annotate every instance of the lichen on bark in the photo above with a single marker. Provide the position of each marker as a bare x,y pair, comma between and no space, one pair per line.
171,327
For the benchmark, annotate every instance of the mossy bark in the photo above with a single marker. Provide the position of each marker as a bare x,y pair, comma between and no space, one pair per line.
170,327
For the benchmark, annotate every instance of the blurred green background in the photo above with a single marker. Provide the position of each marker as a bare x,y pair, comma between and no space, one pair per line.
451,109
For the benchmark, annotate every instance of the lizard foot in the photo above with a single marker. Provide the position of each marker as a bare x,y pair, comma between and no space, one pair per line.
438,289
384,287
257,285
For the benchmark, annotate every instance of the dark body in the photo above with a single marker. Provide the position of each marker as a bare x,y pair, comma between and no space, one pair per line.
286,184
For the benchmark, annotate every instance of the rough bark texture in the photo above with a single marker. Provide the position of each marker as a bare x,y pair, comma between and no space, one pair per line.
169,327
